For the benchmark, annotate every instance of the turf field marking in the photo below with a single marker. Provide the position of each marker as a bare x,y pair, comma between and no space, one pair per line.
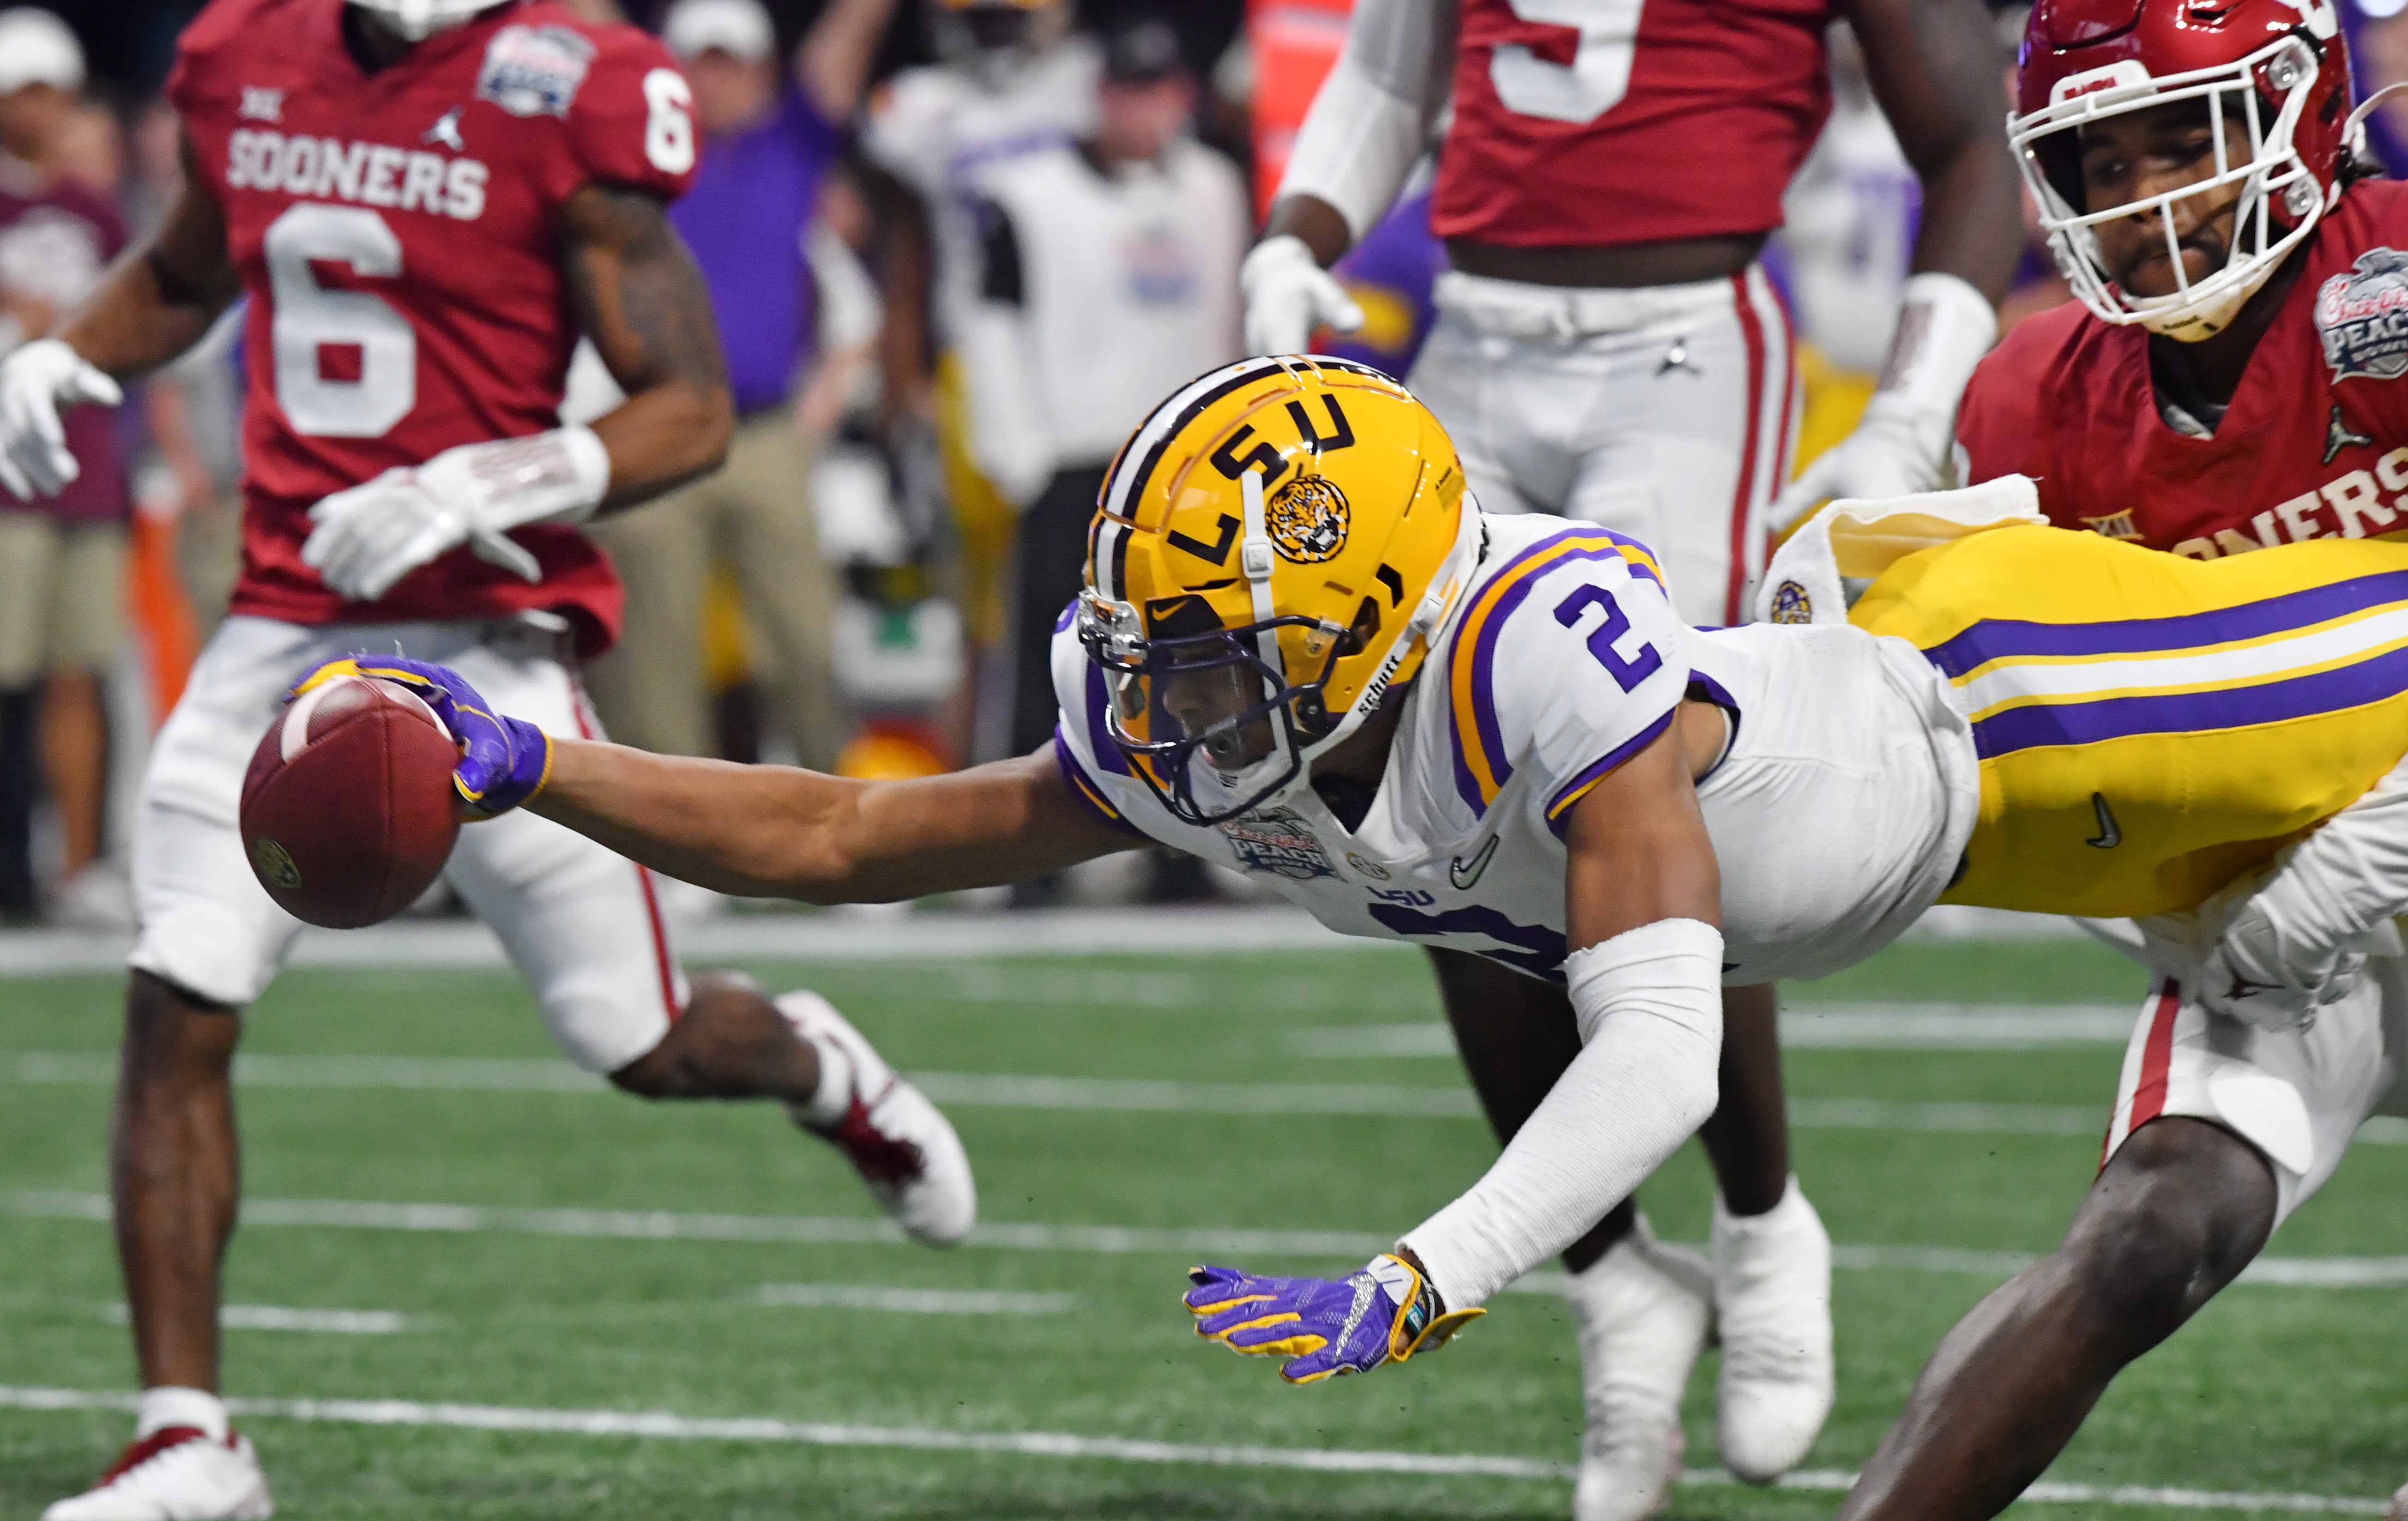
1847,1026
1013,1236
277,1317
913,1301
660,1426
467,1074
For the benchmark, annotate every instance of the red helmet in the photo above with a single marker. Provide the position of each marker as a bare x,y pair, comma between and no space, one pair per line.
2277,68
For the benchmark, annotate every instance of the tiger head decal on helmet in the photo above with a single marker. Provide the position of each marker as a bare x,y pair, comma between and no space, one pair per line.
1274,552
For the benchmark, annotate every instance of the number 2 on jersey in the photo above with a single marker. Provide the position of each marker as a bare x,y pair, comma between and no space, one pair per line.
1625,673
1599,75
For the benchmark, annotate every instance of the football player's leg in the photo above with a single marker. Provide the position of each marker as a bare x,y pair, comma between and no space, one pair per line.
211,940
1771,1259
2175,1216
1684,439
1477,395
2220,1131
583,926
1642,1308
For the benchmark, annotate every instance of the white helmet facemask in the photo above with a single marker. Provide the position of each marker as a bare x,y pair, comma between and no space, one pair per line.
415,20
2271,175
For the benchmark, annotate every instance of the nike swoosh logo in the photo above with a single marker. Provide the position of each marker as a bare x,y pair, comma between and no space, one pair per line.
2109,836
1463,874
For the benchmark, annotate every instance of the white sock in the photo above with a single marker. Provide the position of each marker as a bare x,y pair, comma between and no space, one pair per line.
166,1406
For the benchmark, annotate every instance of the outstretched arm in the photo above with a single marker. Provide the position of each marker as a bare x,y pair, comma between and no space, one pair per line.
769,831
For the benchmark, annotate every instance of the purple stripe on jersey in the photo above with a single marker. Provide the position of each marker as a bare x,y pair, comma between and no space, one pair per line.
2268,702
1099,728
1560,809
1083,788
2001,639
1491,620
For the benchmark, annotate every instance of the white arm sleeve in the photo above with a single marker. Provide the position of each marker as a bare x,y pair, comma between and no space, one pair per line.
1369,122
1650,1008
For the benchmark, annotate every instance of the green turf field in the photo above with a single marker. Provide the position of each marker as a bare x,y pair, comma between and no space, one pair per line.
661,1292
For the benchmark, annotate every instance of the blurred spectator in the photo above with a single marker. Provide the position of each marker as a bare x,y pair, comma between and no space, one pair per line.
768,144
1108,278
62,560
1013,81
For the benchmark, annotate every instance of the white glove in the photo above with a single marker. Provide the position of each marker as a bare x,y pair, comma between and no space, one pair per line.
1944,327
369,536
1288,294
36,382
2250,965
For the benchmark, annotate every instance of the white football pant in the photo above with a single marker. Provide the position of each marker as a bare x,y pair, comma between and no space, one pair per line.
1662,412
582,922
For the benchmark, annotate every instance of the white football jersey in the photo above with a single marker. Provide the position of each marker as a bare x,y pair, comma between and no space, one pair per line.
939,129
1839,811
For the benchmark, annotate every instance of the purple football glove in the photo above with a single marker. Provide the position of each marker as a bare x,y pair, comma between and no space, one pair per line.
503,761
1383,1313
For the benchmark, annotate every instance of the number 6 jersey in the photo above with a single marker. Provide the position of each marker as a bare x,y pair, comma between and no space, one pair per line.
1839,810
399,234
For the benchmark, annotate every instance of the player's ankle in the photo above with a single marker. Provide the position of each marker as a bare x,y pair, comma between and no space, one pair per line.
170,1405
829,1102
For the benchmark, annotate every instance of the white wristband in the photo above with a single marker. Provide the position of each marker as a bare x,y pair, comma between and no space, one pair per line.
1649,1003
1944,327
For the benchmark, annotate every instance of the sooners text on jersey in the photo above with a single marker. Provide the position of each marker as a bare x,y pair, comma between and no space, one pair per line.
398,234
1639,122
2315,444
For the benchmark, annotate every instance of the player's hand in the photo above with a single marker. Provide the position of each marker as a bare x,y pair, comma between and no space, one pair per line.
1383,1313
369,536
2251,970
1288,294
39,381
503,761
1899,449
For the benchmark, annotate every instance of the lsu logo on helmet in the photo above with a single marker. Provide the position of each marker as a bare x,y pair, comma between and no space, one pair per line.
1275,550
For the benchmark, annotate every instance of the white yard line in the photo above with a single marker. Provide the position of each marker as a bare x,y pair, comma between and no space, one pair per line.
659,1425
912,1301
1816,1026
277,1317
874,936
1014,1236
468,1074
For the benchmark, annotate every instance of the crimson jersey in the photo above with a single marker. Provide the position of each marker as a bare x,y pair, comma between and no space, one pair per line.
2315,444
399,234
1608,121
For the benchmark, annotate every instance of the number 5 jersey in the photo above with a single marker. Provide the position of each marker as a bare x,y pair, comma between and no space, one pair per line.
399,234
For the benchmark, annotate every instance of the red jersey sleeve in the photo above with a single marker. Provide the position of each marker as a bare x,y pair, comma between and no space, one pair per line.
631,123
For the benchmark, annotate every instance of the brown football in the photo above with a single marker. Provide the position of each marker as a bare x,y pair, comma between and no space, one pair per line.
347,810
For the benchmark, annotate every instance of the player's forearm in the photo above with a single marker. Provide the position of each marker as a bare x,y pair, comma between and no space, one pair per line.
1650,1011
1320,226
1973,218
642,298
661,438
762,831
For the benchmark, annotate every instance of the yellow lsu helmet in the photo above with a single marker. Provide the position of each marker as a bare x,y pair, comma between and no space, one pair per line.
1273,553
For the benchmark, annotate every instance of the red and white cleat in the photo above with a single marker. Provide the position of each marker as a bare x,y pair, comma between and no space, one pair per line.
178,1473
901,1144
